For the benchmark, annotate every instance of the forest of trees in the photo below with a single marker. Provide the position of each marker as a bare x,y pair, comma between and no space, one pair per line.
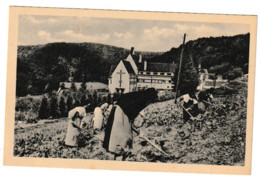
40,68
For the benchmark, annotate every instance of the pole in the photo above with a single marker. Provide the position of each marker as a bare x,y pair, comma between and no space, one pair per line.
179,72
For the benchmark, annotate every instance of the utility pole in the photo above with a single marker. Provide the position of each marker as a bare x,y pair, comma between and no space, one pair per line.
179,72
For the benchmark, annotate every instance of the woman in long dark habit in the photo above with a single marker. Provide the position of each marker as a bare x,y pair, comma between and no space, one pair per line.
118,133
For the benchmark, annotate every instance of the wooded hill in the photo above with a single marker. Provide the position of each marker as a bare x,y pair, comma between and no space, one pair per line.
51,63
220,55
46,65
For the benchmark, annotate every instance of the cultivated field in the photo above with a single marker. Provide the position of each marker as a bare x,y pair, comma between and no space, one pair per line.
220,141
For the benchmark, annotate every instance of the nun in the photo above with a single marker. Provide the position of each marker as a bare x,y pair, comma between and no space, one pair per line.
99,117
190,106
118,133
75,117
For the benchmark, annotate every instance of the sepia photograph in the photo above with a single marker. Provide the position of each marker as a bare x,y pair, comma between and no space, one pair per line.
130,87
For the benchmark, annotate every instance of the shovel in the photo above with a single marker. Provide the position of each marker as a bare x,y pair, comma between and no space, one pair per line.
150,142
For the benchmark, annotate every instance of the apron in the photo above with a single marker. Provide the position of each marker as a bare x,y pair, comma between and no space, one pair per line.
121,132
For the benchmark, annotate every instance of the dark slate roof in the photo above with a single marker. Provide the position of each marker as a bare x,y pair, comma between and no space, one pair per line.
128,67
157,67
112,69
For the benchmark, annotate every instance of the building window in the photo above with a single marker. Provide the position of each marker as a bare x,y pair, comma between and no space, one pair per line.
161,73
148,73
141,72
147,81
155,73
169,74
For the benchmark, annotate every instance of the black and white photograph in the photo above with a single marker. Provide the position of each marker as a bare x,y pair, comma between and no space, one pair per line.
132,90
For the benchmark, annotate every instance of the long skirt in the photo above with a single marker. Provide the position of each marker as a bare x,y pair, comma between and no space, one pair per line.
98,118
118,134
71,135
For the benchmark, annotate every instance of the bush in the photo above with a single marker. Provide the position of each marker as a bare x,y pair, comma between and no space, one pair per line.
62,105
83,100
73,87
27,108
54,108
44,110
69,103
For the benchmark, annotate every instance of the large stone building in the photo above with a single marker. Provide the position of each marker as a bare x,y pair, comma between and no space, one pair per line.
134,74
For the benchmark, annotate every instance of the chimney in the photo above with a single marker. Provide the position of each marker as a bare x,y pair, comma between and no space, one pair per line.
140,58
132,50
145,65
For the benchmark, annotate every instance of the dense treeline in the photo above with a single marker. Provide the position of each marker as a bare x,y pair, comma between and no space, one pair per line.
40,68
227,56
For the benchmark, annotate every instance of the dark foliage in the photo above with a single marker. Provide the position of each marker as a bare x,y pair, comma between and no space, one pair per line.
51,63
219,55
54,108
41,68
62,105
189,78
83,100
69,103
44,110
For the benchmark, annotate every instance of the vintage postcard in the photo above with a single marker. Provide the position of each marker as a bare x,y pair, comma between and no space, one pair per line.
126,90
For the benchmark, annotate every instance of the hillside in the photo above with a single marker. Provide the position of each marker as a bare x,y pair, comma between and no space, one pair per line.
51,63
227,56
42,66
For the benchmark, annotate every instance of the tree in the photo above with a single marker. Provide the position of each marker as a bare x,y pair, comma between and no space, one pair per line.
109,98
62,106
234,73
189,78
73,86
54,108
83,100
77,103
69,103
44,110
83,87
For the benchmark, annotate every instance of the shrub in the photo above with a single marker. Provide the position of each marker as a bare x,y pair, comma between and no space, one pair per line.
109,100
44,110
69,103
77,103
73,87
62,106
27,108
54,108
83,100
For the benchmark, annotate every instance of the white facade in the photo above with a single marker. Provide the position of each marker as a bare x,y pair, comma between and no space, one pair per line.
157,80
127,77
119,80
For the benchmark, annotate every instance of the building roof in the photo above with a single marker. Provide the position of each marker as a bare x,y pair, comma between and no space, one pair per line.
112,69
128,67
157,67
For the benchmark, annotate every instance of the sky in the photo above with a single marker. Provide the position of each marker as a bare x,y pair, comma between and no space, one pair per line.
144,35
